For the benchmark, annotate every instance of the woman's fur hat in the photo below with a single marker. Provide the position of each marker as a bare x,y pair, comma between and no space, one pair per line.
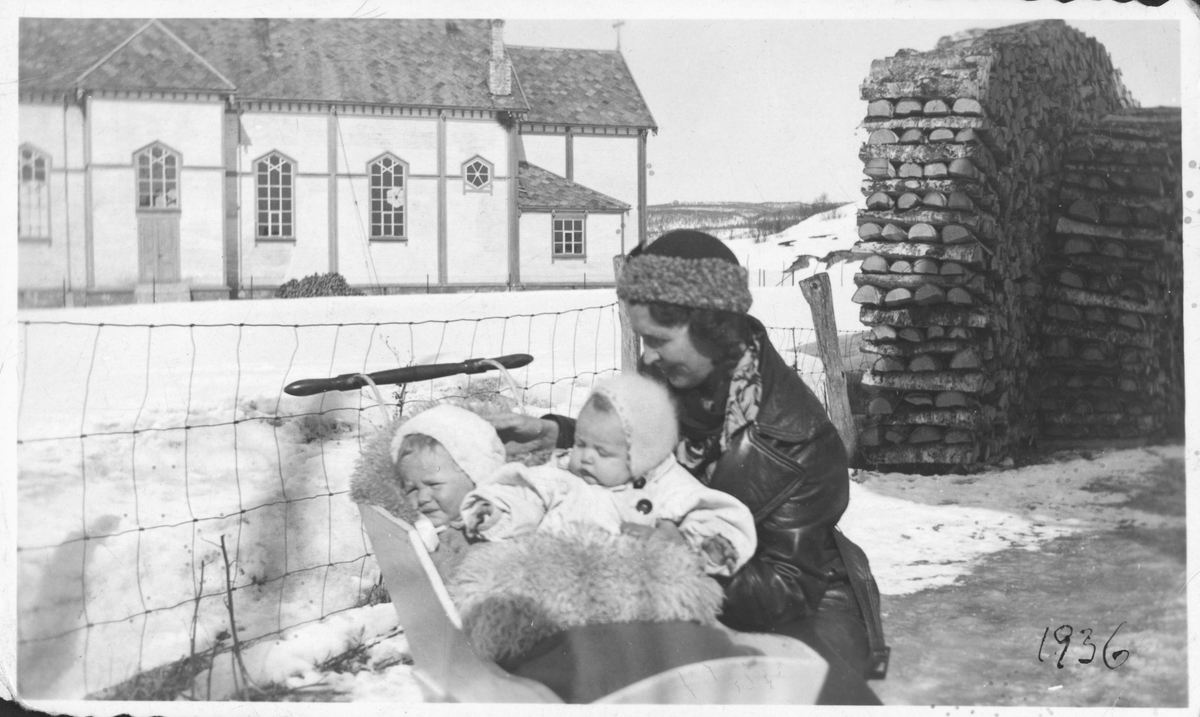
686,268
647,416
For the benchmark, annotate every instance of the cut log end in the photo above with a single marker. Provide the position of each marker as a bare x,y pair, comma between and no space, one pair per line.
941,134
869,231
934,199
966,359
879,201
925,434
879,406
959,296
874,264
923,232
908,107
967,106
929,294
880,108
926,266
868,295
925,362
955,234
951,399
898,297
882,136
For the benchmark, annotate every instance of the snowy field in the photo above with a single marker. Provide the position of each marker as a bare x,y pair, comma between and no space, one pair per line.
769,261
150,434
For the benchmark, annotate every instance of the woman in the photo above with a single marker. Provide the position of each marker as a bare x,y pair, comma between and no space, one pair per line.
753,429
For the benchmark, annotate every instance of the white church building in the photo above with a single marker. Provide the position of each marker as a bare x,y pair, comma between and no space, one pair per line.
188,159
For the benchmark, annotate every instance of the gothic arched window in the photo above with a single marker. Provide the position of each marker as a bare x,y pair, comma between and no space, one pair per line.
389,197
157,177
274,183
33,204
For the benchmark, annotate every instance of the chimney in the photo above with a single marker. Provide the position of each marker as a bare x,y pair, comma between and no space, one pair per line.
499,68
262,30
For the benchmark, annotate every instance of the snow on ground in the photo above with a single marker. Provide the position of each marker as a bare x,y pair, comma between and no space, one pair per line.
251,467
925,531
914,546
292,659
812,240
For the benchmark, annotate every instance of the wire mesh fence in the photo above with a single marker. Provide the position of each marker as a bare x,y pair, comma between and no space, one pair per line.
175,501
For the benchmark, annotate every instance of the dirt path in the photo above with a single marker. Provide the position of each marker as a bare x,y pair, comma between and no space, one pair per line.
976,642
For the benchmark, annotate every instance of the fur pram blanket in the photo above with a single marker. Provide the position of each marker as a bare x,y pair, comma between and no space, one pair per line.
514,593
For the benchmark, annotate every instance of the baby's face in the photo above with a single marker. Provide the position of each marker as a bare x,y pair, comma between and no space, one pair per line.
438,483
600,455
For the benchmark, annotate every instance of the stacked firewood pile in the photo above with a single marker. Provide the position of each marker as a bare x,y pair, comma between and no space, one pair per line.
963,161
1112,365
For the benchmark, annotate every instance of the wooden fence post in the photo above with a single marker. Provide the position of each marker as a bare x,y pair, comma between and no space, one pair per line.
819,294
630,344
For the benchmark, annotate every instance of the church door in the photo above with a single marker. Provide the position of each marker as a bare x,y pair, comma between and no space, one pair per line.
158,213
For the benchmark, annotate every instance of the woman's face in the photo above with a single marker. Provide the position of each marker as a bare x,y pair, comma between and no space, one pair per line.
670,348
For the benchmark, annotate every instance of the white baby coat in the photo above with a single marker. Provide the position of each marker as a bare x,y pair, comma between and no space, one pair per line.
548,497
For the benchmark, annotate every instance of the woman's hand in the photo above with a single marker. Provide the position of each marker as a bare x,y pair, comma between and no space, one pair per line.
524,434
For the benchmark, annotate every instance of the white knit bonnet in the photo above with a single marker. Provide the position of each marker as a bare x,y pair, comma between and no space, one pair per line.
647,416
471,441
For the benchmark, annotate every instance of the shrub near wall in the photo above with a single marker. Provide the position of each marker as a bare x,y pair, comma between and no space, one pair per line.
963,161
331,284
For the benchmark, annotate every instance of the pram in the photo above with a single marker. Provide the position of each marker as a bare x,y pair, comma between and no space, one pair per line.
785,670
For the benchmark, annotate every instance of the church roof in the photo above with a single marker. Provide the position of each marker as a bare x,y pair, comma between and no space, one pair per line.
54,53
139,64
423,63
541,190
432,63
579,87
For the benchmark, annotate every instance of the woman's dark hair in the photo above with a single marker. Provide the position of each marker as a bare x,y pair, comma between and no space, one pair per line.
722,336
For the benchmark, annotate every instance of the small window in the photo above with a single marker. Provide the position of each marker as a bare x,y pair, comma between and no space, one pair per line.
477,175
389,197
33,204
274,181
569,237
157,178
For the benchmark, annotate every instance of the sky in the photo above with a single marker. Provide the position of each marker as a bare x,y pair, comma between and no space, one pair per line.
767,109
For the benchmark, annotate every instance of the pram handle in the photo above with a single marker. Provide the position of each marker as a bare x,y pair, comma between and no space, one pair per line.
407,374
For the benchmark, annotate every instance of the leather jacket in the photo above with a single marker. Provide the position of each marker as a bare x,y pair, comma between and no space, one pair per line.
789,467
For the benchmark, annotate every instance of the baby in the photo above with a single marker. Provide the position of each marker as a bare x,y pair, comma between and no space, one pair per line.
440,454
621,472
